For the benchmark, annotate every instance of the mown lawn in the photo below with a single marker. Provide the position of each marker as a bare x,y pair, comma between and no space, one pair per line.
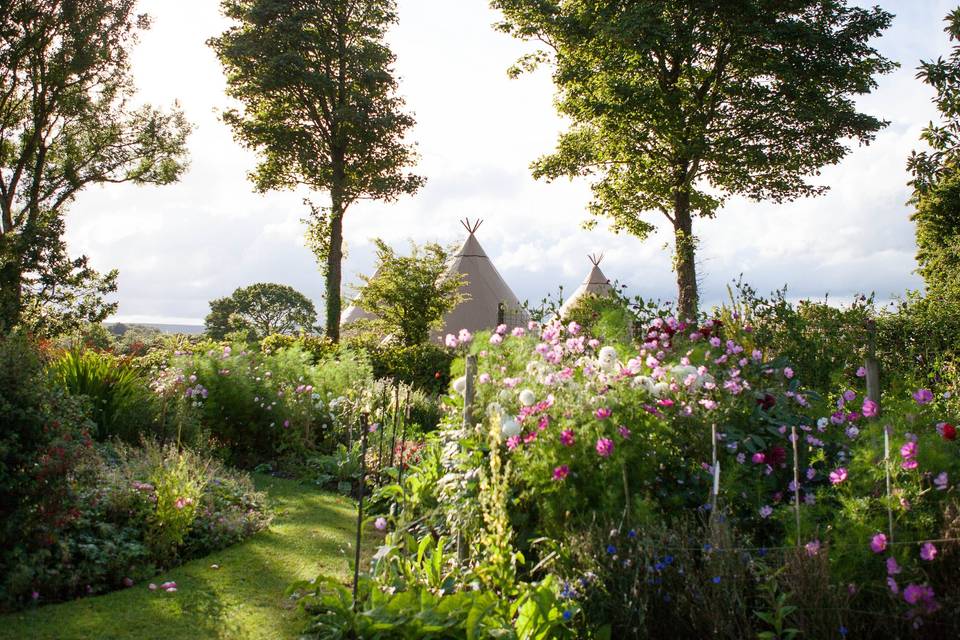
312,533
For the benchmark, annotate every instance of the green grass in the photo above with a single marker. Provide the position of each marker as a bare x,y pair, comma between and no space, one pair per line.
310,534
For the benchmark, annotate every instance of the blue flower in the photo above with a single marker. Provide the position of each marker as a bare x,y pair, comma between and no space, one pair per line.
611,549
708,547
632,533
659,566
716,579
567,614
668,559
843,631
762,552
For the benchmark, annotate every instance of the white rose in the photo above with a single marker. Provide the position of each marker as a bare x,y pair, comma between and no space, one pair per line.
527,398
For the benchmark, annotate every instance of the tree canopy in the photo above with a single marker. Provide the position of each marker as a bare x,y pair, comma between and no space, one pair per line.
409,295
936,174
320,107
261,309
675,106
66,122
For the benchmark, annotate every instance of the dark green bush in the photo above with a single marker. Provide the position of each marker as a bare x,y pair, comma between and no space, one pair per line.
425,366
319,347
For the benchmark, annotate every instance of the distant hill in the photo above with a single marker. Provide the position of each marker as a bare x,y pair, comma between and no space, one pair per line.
189,329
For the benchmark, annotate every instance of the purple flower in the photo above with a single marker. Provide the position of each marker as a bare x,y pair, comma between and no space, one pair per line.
561,472
892,567
603,413
624,432
870,408
787,373
812,548
837,476
849,395
604,447
566,437
923,396
928,551
862,372
380,524
878,543
892,585
766,511
941,481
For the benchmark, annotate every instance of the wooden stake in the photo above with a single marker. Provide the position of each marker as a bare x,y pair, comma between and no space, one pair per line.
872,365
886,464
796,480
363,476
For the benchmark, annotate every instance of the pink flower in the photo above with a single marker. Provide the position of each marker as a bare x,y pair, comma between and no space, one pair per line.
861,372
380,524
604,447
465,336
928,551
624,432
892,585
566,437
501,329
758,458
838,476
128,582
878,543
870,408
923,396
451,341
152,586
812,548
892,567
496,339
513,442
517,332
561,472
603,413
787,373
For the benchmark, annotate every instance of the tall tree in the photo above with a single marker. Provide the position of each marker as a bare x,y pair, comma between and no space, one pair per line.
65,123
936,175
409,295
263,309
675,106
320,106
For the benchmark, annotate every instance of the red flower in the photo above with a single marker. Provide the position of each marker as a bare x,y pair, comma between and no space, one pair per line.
949,431
767,401
775,456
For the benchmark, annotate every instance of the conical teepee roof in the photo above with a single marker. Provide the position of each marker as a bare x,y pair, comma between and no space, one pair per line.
484,288
595,284
353,313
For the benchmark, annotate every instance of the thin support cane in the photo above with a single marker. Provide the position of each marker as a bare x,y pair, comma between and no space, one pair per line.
396,417
796,480
363,477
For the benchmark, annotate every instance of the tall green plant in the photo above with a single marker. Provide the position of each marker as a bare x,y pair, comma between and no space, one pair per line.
115,388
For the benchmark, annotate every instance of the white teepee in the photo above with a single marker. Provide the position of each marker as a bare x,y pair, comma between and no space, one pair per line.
484,289
595,284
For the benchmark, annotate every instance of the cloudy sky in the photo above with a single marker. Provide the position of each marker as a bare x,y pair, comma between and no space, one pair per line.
179,246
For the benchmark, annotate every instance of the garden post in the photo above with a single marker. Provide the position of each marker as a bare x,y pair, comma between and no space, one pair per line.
886,466
796,480
872,365
396,418
384,398
469,392
403,434
363,477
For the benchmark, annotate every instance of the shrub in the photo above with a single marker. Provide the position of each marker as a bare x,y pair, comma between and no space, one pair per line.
319,347
120,402
425,366
119,522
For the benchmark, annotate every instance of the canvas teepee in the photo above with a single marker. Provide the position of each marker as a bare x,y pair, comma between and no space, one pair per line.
353,313
595,284
484,288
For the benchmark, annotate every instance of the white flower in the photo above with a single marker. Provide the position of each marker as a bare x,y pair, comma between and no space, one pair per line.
608,358
527,398
661,389
460,385
494,408
509,428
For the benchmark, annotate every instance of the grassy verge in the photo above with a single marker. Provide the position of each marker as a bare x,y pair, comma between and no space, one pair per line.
243,599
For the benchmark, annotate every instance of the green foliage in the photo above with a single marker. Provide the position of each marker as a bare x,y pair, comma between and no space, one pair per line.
929,167
425,366
937,217
120,402
68,122
320,108
607,317
408,296
117,518
319,347
260,310
676,106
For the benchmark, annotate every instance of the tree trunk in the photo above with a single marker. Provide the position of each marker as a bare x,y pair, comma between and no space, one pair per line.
335,255
11,281
684,262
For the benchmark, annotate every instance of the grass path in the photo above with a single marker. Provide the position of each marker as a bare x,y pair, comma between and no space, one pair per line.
243,599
